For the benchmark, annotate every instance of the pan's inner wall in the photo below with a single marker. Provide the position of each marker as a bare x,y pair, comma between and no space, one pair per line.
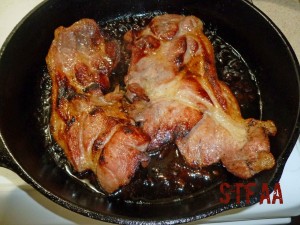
23,57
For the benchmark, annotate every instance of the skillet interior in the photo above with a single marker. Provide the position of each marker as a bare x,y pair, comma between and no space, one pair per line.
22,62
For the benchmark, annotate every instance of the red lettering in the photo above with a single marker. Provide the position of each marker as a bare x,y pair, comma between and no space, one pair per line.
249,192
277,194
238,187
226,190
264,193
226,198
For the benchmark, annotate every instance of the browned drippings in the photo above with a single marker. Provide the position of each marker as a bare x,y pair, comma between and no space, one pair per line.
167,177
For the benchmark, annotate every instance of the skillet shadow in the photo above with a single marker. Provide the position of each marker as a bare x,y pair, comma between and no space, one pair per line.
56,214
294,5
21,204
25,205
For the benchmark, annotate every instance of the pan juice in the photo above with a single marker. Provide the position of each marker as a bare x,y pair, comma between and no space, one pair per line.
167,177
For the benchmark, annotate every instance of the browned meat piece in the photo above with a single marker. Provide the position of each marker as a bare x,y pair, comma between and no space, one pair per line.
121,155
81,56
176,96
156,84
91,127
209,142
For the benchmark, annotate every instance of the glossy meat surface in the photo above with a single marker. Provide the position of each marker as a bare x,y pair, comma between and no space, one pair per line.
90,126
176,96
155,81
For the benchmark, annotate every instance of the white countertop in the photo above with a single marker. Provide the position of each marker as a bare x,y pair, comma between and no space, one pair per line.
21,204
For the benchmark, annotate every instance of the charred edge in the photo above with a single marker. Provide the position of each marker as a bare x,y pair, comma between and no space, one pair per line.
65,91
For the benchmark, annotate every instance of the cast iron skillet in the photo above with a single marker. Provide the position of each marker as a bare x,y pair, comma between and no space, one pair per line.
22,59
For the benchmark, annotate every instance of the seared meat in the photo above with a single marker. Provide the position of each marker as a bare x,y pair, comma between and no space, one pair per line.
156,84
91,127
209,142
176,96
